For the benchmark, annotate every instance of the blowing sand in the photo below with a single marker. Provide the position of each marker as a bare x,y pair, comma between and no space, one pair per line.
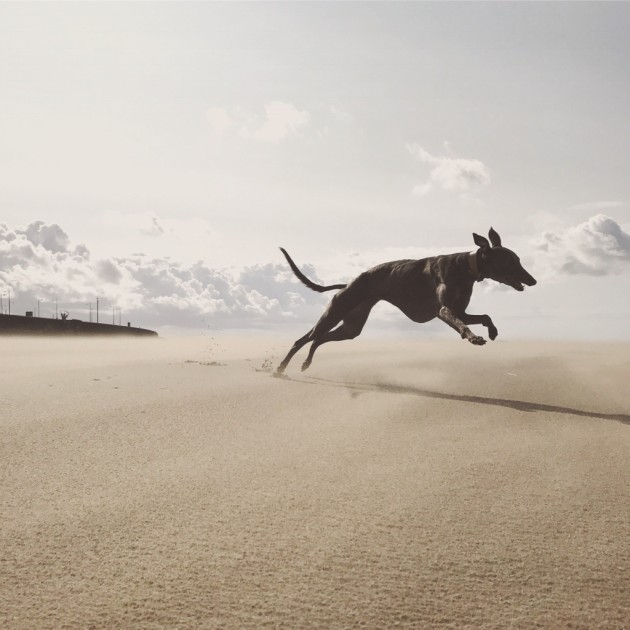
176,484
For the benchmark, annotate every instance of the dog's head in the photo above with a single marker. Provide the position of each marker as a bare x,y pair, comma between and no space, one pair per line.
500,263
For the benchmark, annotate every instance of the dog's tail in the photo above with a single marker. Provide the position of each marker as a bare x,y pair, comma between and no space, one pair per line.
304,280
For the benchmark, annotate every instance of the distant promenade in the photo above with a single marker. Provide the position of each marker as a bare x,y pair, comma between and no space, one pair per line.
20,325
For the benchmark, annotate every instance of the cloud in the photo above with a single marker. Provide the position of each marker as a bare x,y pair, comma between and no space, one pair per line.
153,229
598,246
151,291
107,271
50,237
452,174
34,266
280,121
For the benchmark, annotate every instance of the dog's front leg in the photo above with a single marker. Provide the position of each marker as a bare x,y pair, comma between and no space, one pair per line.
447,316
447,298
484,320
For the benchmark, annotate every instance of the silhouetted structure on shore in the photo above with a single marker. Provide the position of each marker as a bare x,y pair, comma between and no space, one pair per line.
29,325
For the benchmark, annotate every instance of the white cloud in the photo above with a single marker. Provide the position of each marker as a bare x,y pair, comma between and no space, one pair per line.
151,291
341,114
108,272
50,237
598,246
452,174
280,121
154,228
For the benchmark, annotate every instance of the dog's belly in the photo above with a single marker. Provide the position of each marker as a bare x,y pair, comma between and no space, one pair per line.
414,293
417,310
406,284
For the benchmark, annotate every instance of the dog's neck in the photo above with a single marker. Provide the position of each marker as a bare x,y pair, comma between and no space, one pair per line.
474,266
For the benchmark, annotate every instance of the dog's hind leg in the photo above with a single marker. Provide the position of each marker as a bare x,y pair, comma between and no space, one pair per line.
340,305
302,341
327,321
350,328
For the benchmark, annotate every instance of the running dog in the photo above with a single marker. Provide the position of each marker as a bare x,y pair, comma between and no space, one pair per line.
439,286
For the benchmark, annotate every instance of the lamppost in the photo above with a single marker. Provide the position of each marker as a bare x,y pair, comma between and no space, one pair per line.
6,294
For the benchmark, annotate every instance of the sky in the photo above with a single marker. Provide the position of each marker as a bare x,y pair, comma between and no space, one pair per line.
157,154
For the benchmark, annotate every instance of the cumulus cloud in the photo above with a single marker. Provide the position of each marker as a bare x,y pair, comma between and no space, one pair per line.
280,121
34,267
598,246
108,272
452,174
151,291
50,237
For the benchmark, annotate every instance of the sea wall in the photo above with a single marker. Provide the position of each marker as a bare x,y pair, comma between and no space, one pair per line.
19,325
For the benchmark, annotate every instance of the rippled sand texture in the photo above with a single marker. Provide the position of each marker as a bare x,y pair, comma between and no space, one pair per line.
176,484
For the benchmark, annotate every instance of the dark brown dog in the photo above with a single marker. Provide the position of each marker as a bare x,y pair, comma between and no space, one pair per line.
439,286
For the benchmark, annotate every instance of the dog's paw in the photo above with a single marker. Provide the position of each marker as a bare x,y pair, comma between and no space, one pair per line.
477,341
305,365
493,333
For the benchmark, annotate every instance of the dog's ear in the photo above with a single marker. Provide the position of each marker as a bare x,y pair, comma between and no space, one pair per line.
495,239
480,241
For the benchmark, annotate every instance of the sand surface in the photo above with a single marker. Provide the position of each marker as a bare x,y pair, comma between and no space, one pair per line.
176,484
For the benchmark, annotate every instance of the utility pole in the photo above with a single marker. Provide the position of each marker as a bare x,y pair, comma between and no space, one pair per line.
56,310
9,301
38,301
97,310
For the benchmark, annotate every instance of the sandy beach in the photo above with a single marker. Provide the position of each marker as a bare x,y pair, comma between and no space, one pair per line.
173,483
